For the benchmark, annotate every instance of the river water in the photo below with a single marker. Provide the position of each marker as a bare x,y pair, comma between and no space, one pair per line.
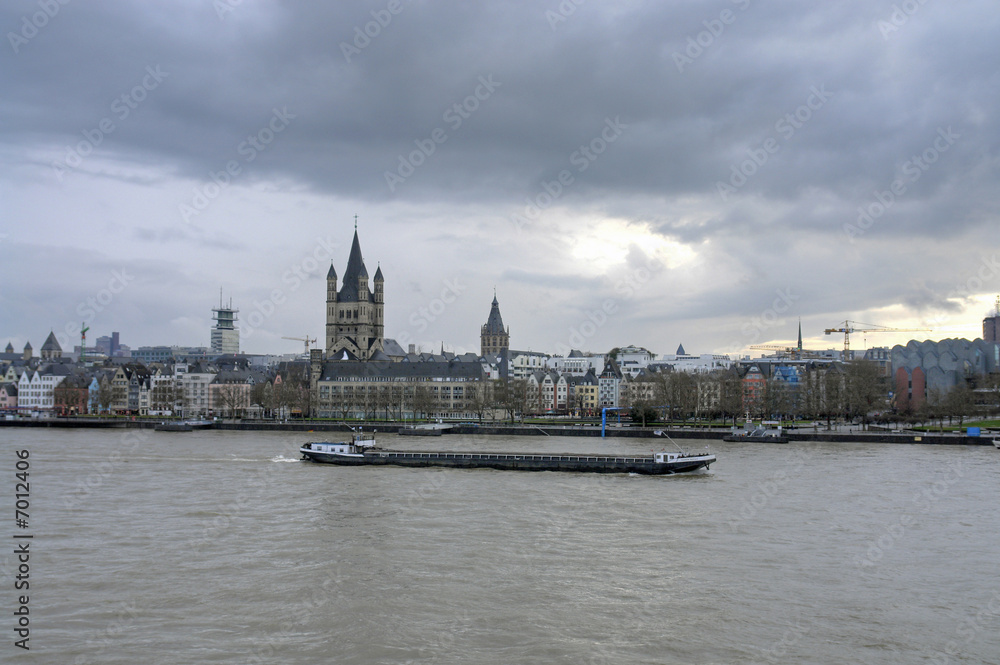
223,547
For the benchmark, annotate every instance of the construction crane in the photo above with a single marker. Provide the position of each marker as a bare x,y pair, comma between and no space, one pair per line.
783,350
849,327
83,341
305,339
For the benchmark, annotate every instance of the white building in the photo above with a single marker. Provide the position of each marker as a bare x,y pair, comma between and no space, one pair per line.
36,391
225,337
633,359
608,384
522,364
577,363
691,364
194,382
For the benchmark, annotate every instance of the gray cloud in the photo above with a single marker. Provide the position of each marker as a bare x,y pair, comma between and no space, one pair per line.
809,113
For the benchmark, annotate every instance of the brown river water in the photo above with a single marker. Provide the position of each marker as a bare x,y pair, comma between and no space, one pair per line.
223,547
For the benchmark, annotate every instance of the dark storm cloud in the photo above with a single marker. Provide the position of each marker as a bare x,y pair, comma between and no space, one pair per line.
786,141
690,120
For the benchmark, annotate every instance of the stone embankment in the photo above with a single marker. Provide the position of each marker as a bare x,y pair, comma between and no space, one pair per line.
795,435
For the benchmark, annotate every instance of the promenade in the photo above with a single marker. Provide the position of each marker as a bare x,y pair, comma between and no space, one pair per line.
841,434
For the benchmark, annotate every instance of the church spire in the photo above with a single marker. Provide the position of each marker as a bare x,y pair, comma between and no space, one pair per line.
493,335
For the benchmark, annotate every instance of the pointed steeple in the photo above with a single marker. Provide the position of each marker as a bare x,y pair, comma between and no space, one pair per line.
331,273
680,350
51,344
355,262
800,334
494,324
355,272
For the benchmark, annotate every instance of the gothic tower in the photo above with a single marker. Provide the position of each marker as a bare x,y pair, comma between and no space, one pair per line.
493,336
354,315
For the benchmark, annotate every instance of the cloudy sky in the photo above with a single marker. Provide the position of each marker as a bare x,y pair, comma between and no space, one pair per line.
648,173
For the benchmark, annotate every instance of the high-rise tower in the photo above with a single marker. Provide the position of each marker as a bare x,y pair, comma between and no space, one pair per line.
225,337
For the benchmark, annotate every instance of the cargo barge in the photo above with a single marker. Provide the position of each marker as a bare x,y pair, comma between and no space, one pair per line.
361,451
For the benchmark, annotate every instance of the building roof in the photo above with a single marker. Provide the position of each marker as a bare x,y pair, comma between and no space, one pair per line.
392,348
358,370
51,343
494,324
611,371
680,350
355,270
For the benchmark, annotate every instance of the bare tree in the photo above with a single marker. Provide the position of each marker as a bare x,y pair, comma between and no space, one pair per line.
479,398
866,390
423,401
959,403
232,398
164,396
106,395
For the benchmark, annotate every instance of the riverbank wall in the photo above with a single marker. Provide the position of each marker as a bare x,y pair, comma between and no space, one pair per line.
800,435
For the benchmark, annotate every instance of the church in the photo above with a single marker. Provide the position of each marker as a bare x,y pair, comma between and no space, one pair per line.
354,314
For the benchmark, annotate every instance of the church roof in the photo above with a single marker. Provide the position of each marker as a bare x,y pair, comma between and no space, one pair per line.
494,325
331,273
378,274
10,348
355,270
392,348
354,370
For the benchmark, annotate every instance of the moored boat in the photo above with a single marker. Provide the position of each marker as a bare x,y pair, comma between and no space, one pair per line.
422,430
758,435
762,434
173,427
361,450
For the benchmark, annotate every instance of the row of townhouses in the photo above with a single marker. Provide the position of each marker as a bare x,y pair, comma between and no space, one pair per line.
223,386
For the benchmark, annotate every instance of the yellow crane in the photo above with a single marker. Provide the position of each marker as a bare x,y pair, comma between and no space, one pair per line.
790,351
849,327
305,339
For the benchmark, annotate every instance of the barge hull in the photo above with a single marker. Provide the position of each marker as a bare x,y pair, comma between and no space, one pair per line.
506,462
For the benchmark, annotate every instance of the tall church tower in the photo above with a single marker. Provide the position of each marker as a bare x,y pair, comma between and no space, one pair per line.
493,336
354,315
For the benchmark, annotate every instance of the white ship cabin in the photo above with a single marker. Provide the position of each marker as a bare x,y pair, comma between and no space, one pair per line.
663,458
355,447
334,448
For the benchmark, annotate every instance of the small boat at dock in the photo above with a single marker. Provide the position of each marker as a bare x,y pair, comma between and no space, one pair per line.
173,427
428,429
751,434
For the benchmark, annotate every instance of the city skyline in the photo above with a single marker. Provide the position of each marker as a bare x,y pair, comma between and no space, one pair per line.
705,175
